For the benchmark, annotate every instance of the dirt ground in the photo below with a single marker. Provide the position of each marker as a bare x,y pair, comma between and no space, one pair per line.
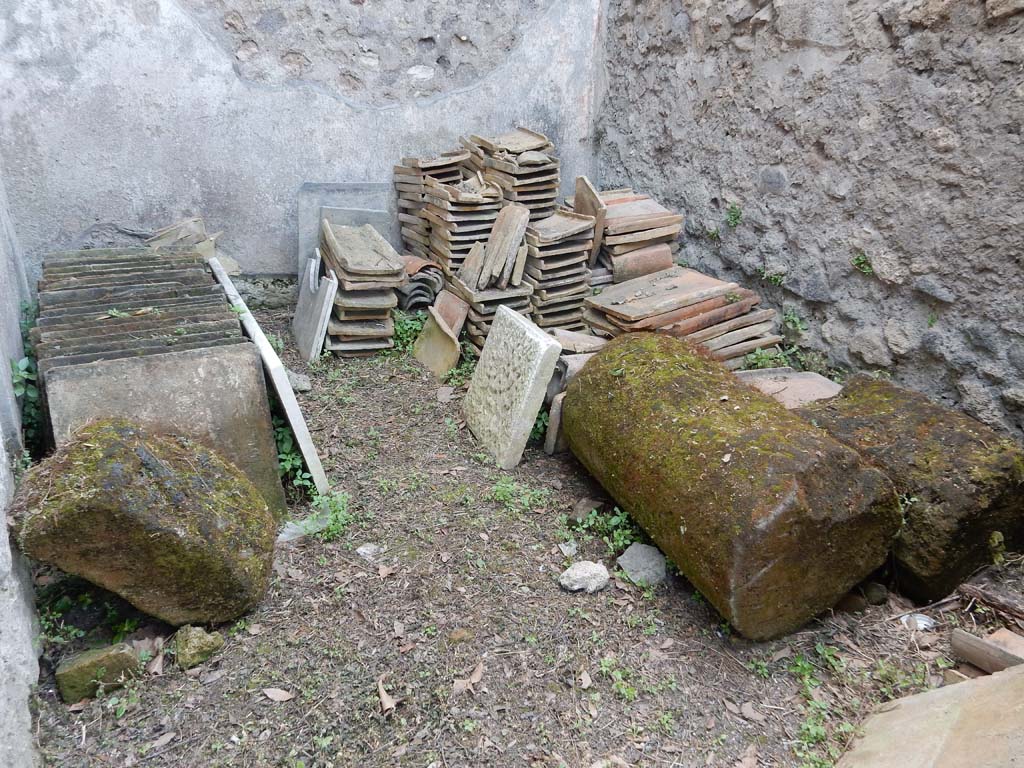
460,631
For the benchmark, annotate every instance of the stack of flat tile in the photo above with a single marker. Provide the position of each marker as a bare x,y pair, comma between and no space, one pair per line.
492,274
460,215
410,179
717,315
426,280
522,164
149,336
558,251
369,271
638,234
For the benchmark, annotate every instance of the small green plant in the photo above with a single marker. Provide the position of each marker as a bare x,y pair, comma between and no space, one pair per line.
124,628
933,318
733,215
24,379
768,357
620,677
540,426
339,517
792,320
732,298
407,329
862,263
771,277
516,497
760,668
463,372
289,460
52,628
714,235
115,312
616,529
276,342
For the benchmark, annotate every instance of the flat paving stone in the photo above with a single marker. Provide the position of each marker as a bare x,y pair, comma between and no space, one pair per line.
794,389
508,386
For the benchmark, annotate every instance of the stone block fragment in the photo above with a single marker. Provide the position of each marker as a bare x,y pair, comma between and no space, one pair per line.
962,484
508,385
80,676
770,518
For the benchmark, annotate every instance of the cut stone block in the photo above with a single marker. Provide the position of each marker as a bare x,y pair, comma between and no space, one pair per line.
507,389
794,389
962,482
554,437
313,310
80,676
977,723
770,518
215,395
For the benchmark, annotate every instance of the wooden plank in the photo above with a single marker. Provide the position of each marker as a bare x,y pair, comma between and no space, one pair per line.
982,653
994,597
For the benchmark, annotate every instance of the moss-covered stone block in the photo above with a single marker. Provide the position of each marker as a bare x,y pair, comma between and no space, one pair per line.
962,484
161,521
80,676
770,518
194,645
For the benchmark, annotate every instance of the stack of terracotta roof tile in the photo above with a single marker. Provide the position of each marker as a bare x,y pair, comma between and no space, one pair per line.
637,233
521,163
719,316
368,271
410,179
460,214
557,268
492,273
426,280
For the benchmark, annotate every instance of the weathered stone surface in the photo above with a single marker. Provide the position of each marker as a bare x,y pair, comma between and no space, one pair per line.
976,723
791,388
960,481
584,576
812,117
771,519
508,385
161,521
643,564
194,645
79,676
299,382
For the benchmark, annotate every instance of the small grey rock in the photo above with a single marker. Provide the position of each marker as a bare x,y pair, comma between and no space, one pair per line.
568,548
370,551
299,381
643,564
584,576
875,593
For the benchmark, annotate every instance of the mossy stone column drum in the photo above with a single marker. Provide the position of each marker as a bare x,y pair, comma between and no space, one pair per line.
962,484
770,518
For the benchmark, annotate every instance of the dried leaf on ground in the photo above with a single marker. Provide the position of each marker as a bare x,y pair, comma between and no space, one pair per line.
466,684
211,677
155,666
749,758
163,741
386,570
731,706
750,712
387,702
277,694
585,681
783,653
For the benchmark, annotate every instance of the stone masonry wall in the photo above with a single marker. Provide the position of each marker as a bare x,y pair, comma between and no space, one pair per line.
867,132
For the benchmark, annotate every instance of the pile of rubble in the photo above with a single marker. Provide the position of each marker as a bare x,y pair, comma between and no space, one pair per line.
368,271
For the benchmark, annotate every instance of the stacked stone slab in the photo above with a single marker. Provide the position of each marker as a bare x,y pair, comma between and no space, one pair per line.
368,271
557,268
148,336
410,182
769,517
961,483
522,164
718,315
460,215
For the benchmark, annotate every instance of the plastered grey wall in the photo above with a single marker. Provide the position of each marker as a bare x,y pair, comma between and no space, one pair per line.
118,117
839,128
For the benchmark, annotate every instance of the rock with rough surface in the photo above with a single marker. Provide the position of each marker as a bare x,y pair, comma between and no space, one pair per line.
770,518
161,521
643,564
299,381
508,385
584,576
960,481
80,676
194,645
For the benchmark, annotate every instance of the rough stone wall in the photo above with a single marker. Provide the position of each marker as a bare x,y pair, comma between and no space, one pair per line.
886,133
120,116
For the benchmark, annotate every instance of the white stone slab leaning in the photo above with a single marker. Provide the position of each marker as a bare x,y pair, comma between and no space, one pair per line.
313,309
507,389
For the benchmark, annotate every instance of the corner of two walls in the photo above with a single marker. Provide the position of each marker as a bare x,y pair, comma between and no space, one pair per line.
869,131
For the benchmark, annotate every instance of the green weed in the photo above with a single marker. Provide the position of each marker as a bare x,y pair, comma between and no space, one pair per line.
733,215
540,426
616,529
862,263
516,497
792,320
407,329
290,466
339,517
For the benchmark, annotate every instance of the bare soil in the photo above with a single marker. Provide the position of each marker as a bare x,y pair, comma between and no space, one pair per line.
468,584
